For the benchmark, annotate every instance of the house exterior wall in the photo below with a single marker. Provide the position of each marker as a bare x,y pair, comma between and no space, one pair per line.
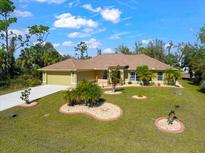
99,74
72,78
155,76
86,75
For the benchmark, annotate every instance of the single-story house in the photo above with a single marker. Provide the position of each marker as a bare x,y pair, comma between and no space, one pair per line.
96,69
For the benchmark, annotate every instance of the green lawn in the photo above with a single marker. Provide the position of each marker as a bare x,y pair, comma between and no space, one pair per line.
6,90
31,131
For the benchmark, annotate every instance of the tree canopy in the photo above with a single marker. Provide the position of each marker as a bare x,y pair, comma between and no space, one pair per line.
123,49
81,50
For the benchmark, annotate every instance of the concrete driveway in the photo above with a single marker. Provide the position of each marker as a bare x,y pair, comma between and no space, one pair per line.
12,99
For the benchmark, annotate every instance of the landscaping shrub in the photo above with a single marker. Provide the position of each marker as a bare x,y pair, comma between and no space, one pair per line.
145,75
23,81
129,82
33,82
72,97
86,92
171,76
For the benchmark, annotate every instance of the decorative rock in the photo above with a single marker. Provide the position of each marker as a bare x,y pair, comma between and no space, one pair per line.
13,115
105,112
139,97
28,105
162,124
110,92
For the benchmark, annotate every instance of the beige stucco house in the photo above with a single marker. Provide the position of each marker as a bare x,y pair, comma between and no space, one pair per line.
96,69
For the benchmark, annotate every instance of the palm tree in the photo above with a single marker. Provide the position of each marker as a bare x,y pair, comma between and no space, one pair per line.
145,75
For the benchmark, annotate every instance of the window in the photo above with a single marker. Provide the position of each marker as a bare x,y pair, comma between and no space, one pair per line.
137,77
134,76
105,74
160,76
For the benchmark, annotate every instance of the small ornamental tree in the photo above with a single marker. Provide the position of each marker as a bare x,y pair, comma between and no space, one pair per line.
171,76
145,75
25,95
172,115
114,76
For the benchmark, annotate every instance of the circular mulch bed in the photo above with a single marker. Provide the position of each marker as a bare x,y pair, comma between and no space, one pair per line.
139,97
110,92
28,105
104,112
162,124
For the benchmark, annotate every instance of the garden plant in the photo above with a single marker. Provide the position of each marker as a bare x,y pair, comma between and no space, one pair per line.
171,76
86,92
145,75
25,95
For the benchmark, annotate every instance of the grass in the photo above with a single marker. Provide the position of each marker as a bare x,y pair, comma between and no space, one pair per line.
6,90
44,129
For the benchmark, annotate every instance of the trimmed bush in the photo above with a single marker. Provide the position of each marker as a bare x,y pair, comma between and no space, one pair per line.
86,93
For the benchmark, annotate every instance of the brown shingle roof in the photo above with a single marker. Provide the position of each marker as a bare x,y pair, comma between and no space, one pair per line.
102,62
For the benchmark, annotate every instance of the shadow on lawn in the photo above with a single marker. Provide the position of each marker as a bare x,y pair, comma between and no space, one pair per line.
196,85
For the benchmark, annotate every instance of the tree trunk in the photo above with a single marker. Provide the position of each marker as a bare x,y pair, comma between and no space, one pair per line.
7,40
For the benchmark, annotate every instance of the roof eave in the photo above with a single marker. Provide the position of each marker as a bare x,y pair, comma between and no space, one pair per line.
58,70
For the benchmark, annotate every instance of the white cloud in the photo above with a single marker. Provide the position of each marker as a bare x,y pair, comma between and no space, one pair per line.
87,32
56,45
109,14
108,50
146,41
90,8
51,1
78,35
73,3
112,15
66,20
93,43
68,43
117,35
19,13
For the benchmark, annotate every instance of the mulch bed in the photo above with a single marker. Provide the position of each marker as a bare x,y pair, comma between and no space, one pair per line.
139,97
176,127
28,105
105,112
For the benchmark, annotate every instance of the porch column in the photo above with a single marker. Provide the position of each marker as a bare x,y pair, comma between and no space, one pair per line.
109,76
73,78
44,78
122,75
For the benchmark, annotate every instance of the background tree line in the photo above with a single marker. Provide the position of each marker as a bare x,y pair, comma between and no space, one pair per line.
187,56
36,52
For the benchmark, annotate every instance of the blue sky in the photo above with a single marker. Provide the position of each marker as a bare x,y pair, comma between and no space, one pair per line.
105,24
